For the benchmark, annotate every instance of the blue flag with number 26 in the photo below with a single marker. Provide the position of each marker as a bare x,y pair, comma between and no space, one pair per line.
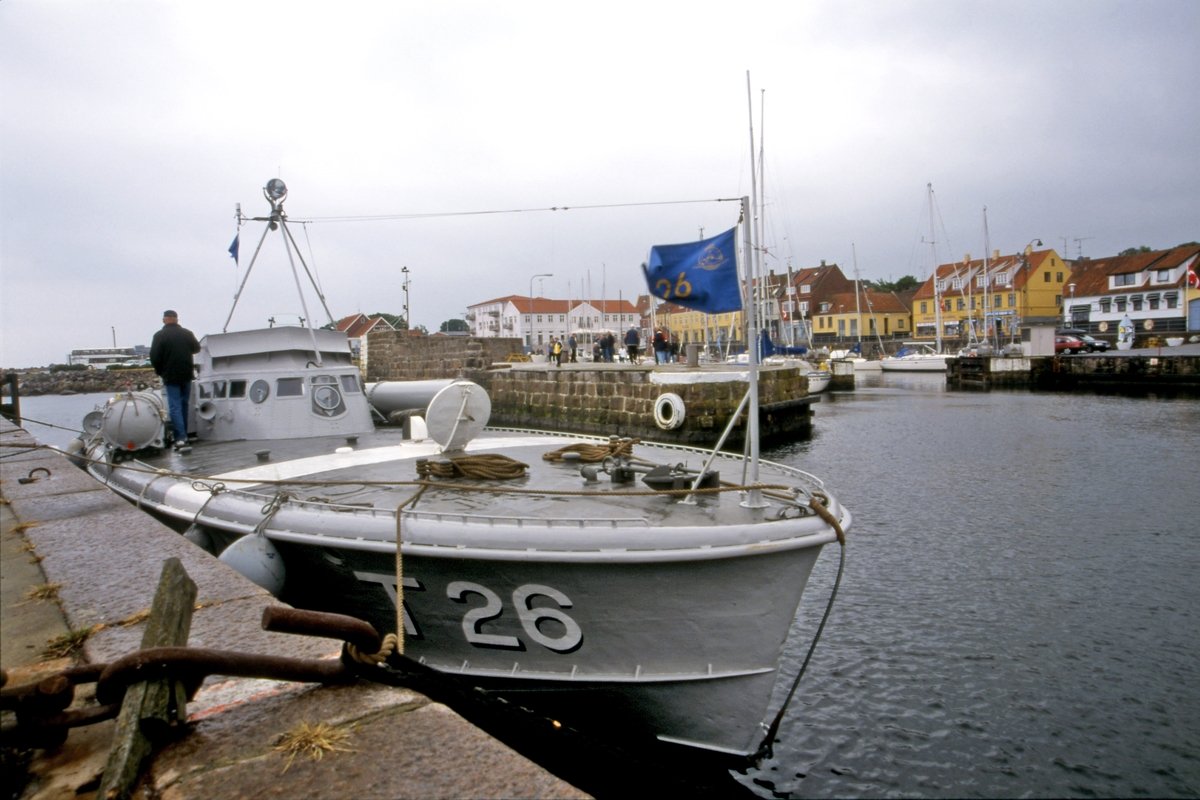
698,275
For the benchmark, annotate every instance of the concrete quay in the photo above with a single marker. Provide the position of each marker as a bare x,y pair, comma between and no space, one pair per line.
1157,370
99,558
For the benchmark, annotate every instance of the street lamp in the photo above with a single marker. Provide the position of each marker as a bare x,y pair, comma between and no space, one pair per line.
407,318
531,280
1068,317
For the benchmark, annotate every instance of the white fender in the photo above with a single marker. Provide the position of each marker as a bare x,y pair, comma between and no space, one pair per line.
257,559
669,411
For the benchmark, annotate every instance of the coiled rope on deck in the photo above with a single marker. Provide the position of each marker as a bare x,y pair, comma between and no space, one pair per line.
591,453
486,466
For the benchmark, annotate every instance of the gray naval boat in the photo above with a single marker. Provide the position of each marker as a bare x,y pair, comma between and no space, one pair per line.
651,586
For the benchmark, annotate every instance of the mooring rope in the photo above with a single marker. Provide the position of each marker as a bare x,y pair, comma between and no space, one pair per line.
390,643
767,748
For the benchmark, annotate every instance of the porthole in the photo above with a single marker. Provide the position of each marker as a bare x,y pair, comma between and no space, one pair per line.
259,391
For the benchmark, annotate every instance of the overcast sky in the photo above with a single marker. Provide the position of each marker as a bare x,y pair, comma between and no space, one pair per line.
129,130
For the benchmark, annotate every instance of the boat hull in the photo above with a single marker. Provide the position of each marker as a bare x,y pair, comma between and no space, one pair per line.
639,646
914,364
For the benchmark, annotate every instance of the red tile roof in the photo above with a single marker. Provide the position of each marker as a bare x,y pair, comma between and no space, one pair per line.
1091,277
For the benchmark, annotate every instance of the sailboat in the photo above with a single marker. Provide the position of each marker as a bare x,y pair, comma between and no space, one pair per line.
919,356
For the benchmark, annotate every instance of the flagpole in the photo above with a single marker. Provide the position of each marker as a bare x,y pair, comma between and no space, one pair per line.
754,498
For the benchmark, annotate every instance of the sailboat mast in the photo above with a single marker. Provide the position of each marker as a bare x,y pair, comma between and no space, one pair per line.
754,498
937,297
987,252
857,307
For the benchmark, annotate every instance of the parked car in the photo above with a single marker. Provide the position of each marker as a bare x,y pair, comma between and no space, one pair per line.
1068,344
1093,345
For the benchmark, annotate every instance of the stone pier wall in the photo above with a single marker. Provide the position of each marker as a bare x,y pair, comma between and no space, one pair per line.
401,356
621,403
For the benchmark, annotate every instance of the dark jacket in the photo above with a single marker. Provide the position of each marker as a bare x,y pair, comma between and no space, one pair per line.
171,354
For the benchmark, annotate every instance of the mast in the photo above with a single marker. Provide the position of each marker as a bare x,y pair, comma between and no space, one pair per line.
987,252
857,307
937,296
754,498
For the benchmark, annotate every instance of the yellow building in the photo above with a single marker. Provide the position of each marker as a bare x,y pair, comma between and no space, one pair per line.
872,314
697,327
1014,290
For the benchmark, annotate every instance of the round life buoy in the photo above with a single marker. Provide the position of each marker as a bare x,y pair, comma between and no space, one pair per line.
669,411
1148,324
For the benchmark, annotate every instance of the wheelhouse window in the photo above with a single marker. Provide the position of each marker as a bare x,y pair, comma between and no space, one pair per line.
350,384
289,387
237,388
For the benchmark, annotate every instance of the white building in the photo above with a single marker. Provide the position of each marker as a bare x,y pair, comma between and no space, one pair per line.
1149,288
534,320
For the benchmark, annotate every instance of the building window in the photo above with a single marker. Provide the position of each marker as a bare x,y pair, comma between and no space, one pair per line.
957,283
561,318
1128,279
804,308
997,301
946,305
1152,301
924,308
853,327
972,303
841,327
941,285
1105,305
526,319
805,289
1058,277
1121,304
981,281
1058,299
1047,275
1135,302
961,304
899,324
1172,299
1002,277
1052,262
1164,275
1012,300
539,320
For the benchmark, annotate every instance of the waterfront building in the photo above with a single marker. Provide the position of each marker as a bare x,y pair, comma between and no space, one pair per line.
870,315
804,292
534,320
1151,288
357,326
1019,289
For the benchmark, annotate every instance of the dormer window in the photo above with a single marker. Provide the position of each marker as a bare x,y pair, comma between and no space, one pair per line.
1128,279
1164,275
958,284
941,285
1002,278
981,281
805,288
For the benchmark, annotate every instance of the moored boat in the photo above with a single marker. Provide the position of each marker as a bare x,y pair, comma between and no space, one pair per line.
652,586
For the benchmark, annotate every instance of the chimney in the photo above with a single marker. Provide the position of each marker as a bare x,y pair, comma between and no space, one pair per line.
822,262
1029,249
967,258
995,255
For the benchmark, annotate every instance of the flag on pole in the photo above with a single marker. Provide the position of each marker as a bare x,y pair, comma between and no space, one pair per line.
1193,278
698,275
233,248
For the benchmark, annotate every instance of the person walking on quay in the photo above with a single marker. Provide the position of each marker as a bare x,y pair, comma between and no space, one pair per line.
673,349
573,343
632,340
557,349
171,354
660,346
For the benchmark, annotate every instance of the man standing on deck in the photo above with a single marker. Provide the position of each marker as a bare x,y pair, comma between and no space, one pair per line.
171,356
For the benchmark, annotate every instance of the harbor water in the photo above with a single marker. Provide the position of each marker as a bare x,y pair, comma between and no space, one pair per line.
1019,611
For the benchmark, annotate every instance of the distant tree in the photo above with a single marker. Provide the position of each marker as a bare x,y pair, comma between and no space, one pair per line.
907,283
396,321
1189,244
901,285
1133,251
454,325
